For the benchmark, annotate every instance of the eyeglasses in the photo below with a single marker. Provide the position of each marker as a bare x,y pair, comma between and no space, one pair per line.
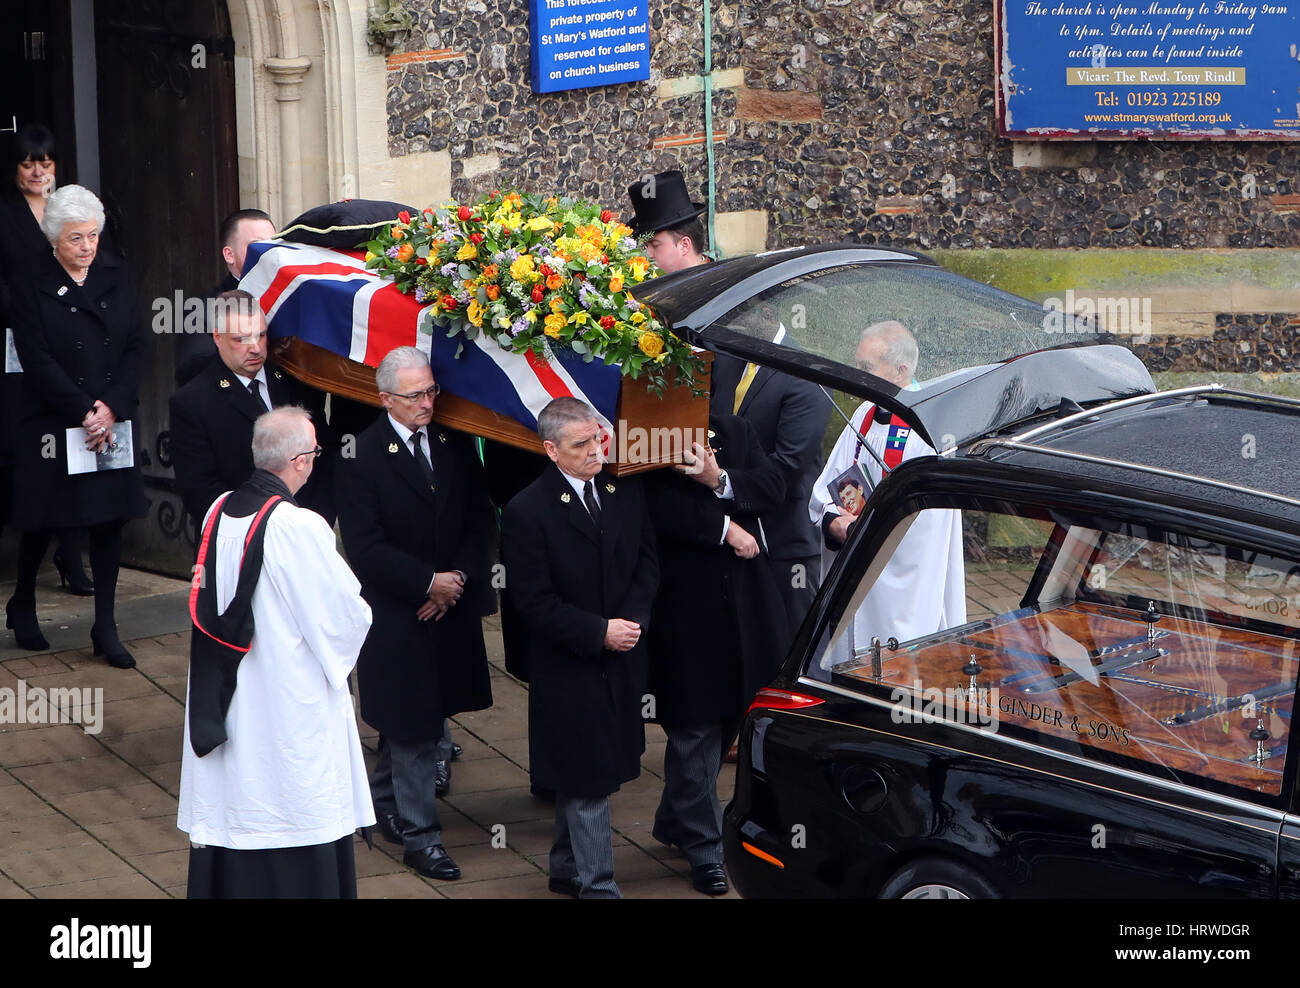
414,396
310,452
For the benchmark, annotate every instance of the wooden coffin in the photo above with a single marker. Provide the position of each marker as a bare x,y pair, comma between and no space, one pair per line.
651,430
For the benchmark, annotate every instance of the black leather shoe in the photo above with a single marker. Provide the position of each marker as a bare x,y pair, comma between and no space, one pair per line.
456,752
711,879
27,630
432,862
442,778
390,827
565,886
110,647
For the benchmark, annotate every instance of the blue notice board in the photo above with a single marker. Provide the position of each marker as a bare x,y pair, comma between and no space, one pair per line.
580,43
1148,68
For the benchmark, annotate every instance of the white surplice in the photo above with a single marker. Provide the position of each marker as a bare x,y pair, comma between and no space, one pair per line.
292,772
922,589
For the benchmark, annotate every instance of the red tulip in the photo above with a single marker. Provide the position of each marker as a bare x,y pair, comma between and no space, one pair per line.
464,213
404,216
538,292
476,238
606,216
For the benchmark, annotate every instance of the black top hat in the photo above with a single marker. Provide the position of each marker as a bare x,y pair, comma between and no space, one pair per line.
661,203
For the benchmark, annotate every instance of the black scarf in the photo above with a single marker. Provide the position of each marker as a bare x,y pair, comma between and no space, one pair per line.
218,642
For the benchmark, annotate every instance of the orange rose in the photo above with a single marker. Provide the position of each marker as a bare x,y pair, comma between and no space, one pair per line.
405,252
489,272
553,324
397,233
616,283
554,282
493,292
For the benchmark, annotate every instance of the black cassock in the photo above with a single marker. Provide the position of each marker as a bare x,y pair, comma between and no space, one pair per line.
719,625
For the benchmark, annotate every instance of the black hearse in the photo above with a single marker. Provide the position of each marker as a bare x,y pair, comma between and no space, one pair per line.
1101,705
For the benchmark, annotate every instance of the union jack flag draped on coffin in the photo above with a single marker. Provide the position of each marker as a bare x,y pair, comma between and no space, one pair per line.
328,298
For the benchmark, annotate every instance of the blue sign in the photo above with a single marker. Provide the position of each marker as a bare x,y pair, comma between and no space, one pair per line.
1148,68
580,43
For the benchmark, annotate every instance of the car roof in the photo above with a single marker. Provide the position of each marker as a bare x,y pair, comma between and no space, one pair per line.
1231,450
991,359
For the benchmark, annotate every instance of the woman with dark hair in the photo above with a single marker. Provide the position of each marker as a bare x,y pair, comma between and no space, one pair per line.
32,156
81,339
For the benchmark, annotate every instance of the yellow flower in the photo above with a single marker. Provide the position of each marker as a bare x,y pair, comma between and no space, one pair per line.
467,253
616,281
651,344
619,231
540,223
522,267
531,315
553,324
568,245
637,318
474,313
557,304
503,322
578,318
370,256
588,251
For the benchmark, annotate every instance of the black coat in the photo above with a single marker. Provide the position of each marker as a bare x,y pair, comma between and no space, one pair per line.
397,533
790,417
564,581
77,344
719,624
211,437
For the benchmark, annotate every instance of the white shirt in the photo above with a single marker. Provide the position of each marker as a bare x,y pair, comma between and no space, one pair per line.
579,486
292,772
261,380
405,434
922,588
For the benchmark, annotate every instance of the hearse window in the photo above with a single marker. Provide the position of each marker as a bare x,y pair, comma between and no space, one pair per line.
1152,650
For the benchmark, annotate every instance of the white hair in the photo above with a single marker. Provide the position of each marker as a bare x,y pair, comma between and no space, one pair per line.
398,359
900,345
279,435
71,204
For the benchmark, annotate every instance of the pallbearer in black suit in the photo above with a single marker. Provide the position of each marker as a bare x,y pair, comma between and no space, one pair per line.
417,528
212,416
718,632
581,574
790,418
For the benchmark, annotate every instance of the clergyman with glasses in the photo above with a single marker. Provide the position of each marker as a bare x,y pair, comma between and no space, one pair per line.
212,416
418,530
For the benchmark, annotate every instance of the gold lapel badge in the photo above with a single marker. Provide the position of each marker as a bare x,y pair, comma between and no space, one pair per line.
566,497
712,433
393,447
278,375
442,437
609,488
223,383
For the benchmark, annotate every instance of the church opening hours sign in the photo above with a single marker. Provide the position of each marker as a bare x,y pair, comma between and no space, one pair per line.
1072,69
581,43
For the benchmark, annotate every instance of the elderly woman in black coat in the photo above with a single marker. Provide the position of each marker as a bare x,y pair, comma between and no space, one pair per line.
81,341
32,156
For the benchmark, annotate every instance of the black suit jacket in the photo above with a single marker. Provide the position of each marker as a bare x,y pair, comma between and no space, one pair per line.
790,417
565,580
211,437
719,625
397,533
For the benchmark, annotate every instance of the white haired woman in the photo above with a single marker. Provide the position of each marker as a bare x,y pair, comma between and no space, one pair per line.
32,155
81,339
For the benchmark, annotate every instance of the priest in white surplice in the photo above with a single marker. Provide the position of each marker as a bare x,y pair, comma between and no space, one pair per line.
922,589
273,784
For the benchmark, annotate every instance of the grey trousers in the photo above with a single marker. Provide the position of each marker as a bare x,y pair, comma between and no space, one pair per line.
403,783
584,846
690,814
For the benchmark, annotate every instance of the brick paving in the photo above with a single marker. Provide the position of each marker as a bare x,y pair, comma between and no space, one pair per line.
94,815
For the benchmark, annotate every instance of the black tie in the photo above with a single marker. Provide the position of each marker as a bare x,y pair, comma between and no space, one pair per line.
426,468
589,499
256,388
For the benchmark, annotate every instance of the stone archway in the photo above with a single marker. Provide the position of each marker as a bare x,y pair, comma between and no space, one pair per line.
311,112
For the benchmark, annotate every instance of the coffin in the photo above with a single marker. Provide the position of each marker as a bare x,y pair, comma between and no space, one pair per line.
649,432
331,320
